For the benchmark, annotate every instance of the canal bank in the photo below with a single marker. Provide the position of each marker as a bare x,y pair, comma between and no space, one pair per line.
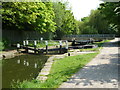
76,52
9,54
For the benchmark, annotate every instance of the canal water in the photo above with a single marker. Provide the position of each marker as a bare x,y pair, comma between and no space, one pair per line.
19,68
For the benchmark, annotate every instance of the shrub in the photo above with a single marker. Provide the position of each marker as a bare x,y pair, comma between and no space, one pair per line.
1,45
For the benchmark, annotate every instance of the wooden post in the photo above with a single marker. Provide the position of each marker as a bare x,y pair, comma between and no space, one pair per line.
46,43
66,46
27,46
18,47
23,43
35,43
73,42
90,40
41,39
60,46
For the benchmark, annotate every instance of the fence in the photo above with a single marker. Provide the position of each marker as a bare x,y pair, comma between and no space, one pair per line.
18,35
87,36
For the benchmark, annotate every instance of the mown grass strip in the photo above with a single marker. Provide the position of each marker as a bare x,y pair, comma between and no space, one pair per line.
62,69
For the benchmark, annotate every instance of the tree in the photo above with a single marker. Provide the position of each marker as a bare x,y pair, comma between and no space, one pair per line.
98,22
95,23
59,10
28,16
111,10
86,27
64,19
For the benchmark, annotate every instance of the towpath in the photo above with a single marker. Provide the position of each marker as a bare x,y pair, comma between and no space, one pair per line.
101,72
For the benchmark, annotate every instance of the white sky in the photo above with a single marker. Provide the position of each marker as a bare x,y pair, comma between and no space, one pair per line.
82,8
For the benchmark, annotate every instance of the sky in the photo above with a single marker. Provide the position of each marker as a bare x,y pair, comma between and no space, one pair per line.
82,8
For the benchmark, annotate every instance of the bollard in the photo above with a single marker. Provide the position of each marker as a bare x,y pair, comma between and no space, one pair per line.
46,43
60,42
35,43
68,54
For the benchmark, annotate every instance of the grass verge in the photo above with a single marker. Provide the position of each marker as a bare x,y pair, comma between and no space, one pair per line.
42,43
62,69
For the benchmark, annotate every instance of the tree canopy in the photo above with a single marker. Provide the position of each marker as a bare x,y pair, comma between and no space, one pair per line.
104,20
57,20
64,19
41,16
28,16
111,11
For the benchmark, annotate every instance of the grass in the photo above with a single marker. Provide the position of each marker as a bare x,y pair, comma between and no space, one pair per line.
42,44
0,63
90,49
101,43
62,69
50,43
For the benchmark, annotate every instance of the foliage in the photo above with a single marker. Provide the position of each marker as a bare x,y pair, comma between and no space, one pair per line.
111,10
59,10
65,21
94,24
55,19
28,16
62,69
89,30
52,18
4,43
41,44
98,22
104,20
1,46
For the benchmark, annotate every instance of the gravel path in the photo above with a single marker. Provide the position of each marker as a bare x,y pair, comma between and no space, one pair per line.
101,72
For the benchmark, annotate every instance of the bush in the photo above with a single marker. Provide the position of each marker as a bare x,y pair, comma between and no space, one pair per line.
1,45
5,42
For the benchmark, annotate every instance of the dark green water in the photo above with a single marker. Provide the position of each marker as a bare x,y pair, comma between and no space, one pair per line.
25,67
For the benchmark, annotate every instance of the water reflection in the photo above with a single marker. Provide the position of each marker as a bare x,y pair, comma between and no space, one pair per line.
21,68
24,62
35,65
18,61
27,63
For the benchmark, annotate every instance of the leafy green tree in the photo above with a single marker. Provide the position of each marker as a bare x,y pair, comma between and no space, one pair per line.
68,24
98,22
95,23
59,10
65,21
28,16
111,10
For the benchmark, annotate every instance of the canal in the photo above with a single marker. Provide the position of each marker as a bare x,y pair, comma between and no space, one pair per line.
19,68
